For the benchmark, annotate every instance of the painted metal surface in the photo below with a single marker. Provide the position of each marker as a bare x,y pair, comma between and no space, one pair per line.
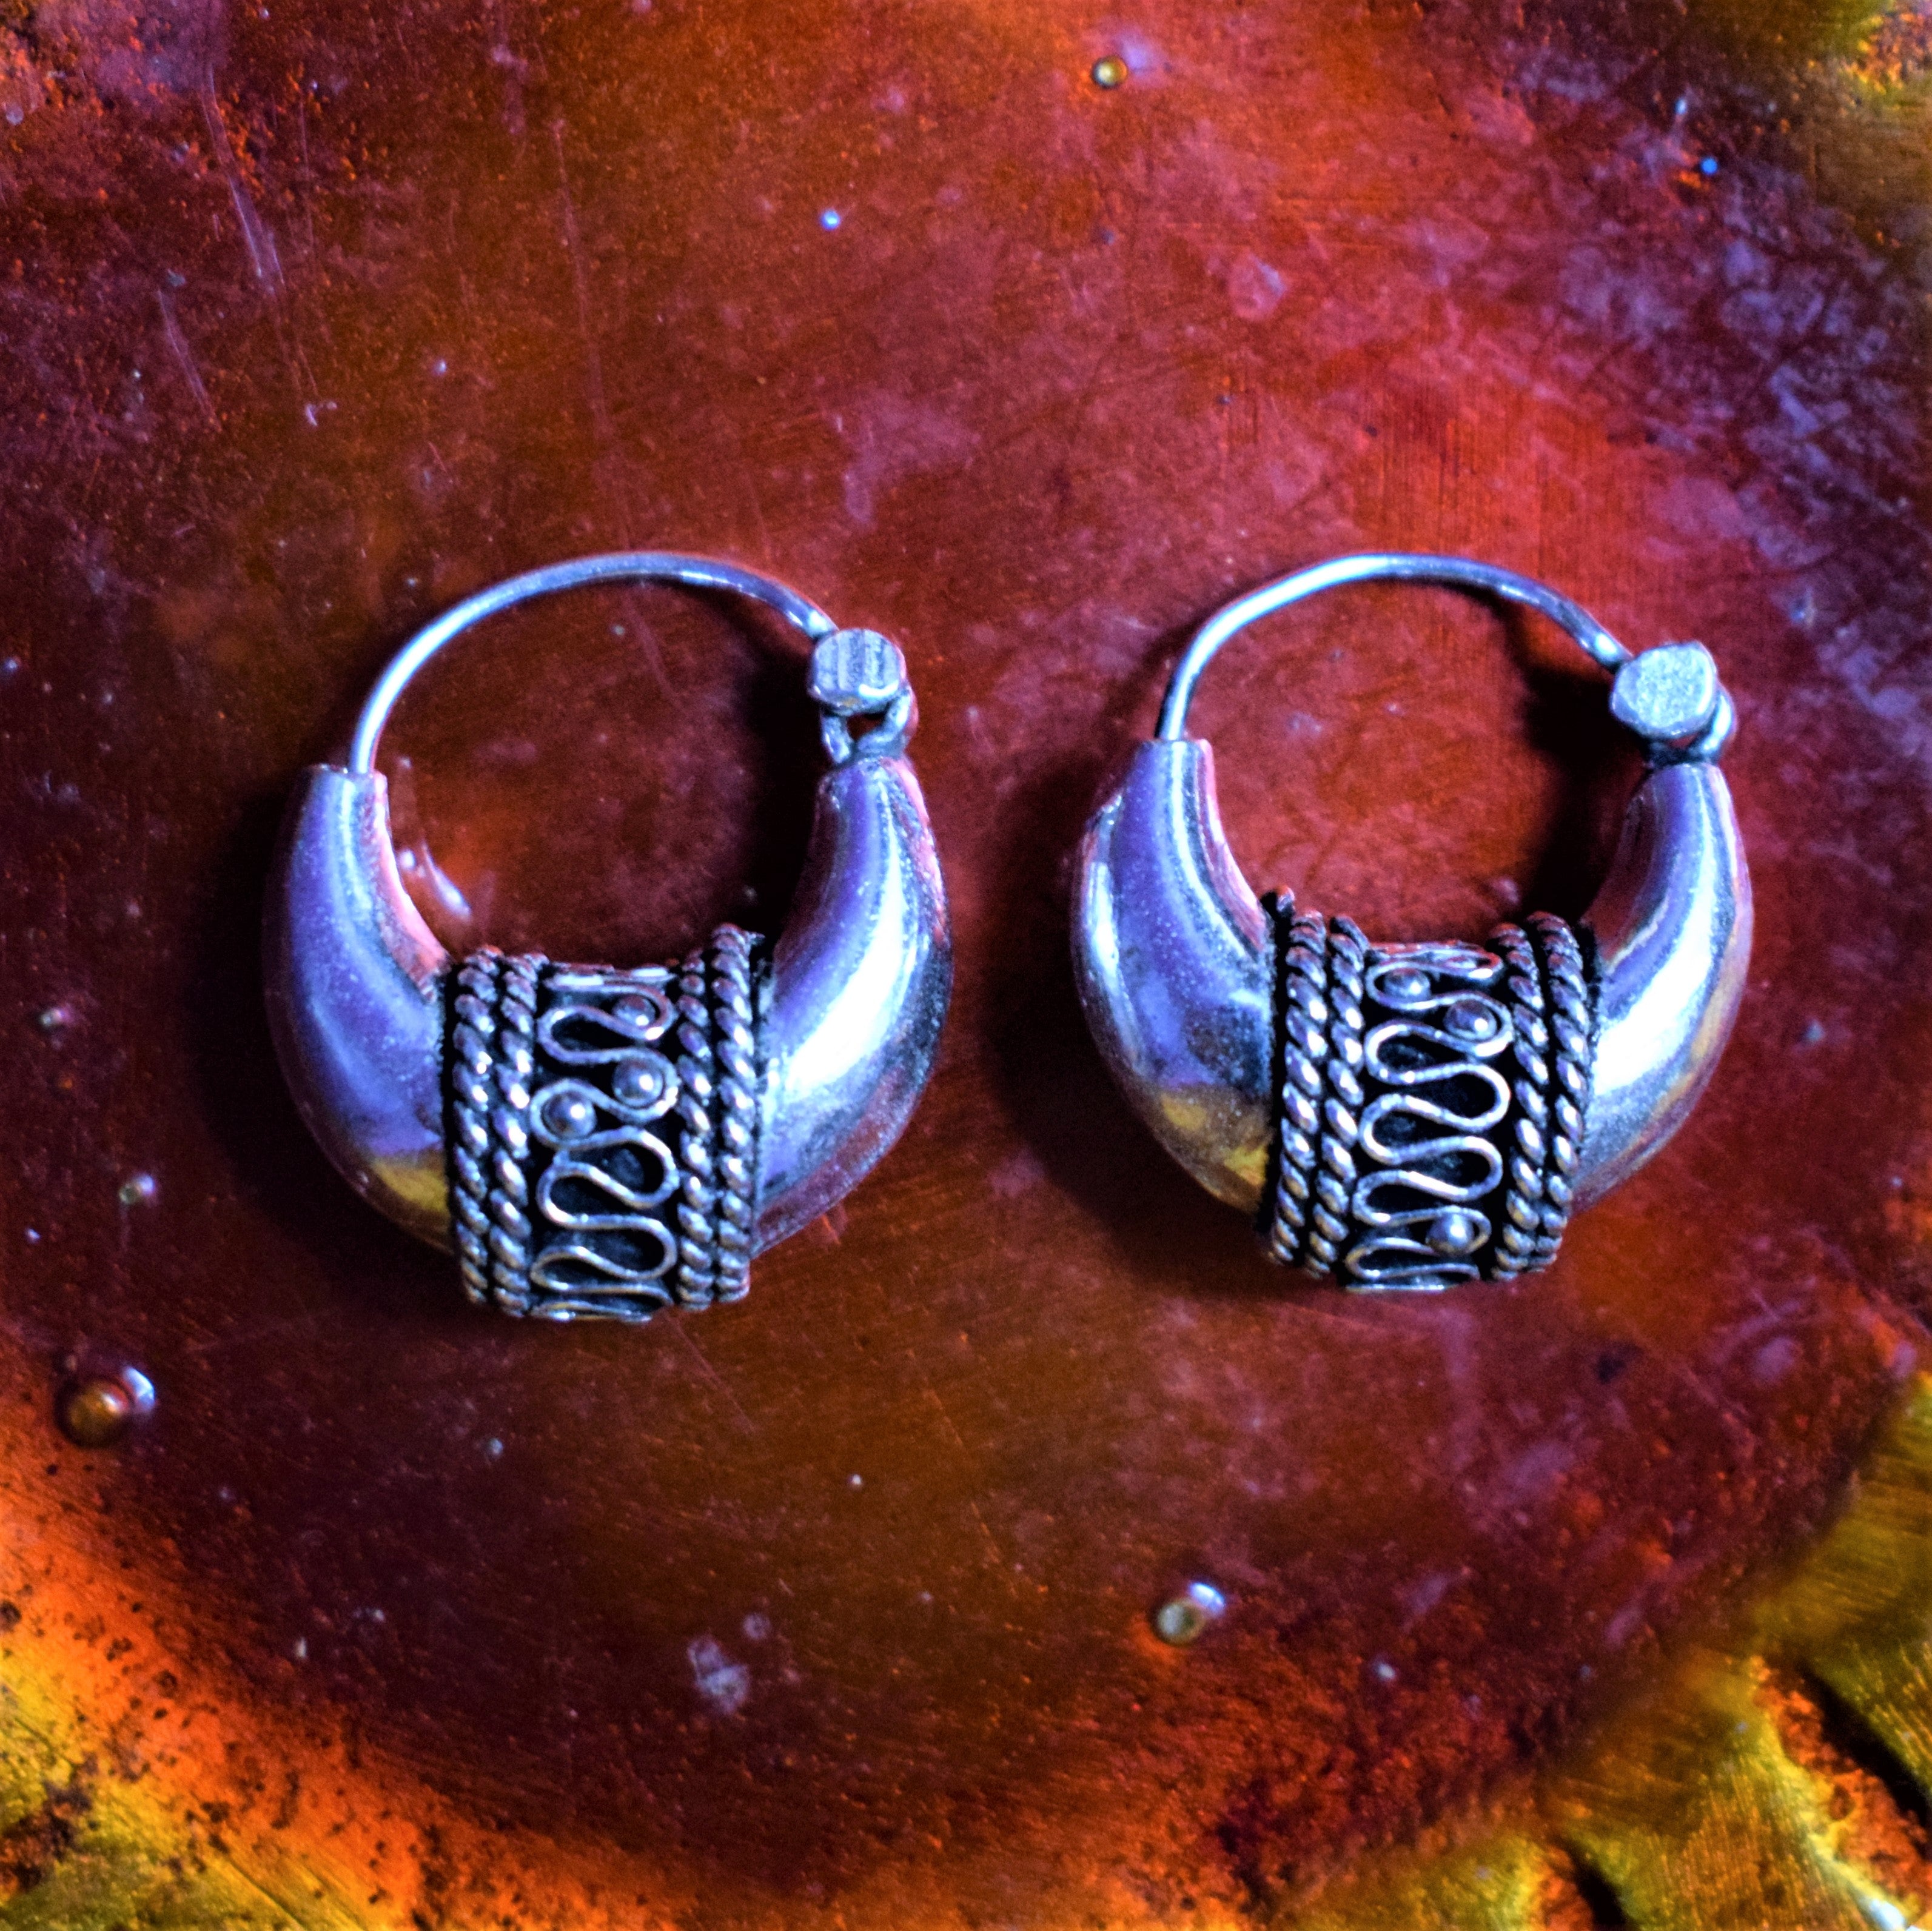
315,321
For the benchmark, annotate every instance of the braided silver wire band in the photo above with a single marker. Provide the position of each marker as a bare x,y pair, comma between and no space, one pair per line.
1572,1027
1377,1182
471,1027
1522,1197
734,1053
1342,1101
593,1174
697,1274
1302,1002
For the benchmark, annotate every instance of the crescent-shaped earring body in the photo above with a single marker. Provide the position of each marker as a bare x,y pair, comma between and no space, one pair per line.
596,1141
1414,1116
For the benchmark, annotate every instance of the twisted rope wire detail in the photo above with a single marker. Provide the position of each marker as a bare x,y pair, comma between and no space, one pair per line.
734,1048
1303,1002
1343,1099
1516,1240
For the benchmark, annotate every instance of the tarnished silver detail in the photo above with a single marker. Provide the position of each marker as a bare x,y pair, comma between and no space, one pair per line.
592,1140
1416,1144
1526,1148
735,1059
1172,962
472,1036
512,1070
563,1075
1669,695
858,673
1572,1024
1343,1106
1428,1160
1303,1003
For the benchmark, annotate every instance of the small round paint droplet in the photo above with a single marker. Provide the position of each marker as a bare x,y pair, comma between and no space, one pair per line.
97,1410
1383,1670
33,1237
138,1190
858,1481
1182,1619
1708,165
829,219
492,1450
1110,71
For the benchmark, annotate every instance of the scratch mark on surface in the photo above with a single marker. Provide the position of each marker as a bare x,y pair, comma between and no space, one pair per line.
185,357
946,1421
573,247
712,1375
256,233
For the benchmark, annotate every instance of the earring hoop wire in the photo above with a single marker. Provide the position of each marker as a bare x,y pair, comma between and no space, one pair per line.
648,566
1377,566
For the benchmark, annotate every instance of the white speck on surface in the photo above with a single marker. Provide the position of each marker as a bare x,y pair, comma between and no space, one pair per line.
829,219
725,1685
757,1628
1383,1670
492,1450
138,1190
298,1649
858,1481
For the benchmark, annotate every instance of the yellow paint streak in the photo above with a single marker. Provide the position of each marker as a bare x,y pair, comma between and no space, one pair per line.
1719,1800
139,1791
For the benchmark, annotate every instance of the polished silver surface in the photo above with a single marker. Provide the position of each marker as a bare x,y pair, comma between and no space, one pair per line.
859,987
793,1075
1672,925
1175,965
355,1001
1177,973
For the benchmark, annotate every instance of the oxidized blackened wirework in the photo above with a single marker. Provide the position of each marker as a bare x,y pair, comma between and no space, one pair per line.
1415,1116
605,1141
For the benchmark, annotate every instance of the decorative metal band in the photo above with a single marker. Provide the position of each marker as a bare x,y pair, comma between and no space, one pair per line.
1342,1100
734,1052
1573,1028
1523,1199
1453,1082
471,1029
585,1158
1301,1001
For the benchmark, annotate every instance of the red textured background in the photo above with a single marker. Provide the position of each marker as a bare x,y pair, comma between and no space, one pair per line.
316,316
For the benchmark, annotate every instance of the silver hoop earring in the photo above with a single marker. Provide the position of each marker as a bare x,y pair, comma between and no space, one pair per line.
1414,1116
599,1140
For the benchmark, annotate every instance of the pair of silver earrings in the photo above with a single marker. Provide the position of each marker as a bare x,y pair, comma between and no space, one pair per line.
608,1141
